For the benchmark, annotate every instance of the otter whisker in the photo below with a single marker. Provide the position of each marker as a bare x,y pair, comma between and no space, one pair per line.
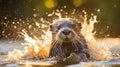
53,50
78,41
83,47
75,44
59,48
82,42
55,47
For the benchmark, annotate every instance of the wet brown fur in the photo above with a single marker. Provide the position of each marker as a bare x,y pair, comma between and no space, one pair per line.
77,43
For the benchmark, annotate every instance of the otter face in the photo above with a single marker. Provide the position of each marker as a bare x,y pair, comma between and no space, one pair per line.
65,29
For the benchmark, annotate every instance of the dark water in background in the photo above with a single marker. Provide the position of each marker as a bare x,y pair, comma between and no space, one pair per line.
112,43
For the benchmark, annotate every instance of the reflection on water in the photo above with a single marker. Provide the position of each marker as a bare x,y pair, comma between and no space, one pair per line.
112,43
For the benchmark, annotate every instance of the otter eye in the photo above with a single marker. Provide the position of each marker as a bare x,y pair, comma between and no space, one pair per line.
73,25
51,27
58,27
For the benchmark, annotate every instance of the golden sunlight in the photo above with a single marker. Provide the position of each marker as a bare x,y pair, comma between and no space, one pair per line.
77,3
40,47
50,3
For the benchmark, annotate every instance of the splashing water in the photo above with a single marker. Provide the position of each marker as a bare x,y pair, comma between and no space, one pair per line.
39,46
34,47
97,50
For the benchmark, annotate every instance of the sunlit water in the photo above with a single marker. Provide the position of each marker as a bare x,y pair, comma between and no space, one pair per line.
35,48
111,43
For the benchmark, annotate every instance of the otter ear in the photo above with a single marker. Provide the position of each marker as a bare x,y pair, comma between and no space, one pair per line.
51,27
79,25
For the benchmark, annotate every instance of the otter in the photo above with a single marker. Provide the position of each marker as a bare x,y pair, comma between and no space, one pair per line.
67,40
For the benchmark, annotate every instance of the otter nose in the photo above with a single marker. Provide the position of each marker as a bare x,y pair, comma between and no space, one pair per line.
66,32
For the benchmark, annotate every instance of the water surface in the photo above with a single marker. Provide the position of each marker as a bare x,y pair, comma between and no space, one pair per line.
6,46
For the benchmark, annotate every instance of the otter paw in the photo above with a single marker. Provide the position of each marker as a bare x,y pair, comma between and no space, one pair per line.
73,58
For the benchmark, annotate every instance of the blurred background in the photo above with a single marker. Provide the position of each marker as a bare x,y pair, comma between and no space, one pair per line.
16,15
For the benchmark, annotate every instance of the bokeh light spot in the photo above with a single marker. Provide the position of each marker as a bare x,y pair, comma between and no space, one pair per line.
50,3
77,3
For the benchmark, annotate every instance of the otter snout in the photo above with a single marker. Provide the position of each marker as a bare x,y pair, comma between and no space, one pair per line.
65,34
66,31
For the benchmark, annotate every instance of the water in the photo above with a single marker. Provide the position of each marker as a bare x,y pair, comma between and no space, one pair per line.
34,47
39,45
6,46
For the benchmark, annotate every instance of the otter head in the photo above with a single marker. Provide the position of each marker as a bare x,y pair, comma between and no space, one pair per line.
65,29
